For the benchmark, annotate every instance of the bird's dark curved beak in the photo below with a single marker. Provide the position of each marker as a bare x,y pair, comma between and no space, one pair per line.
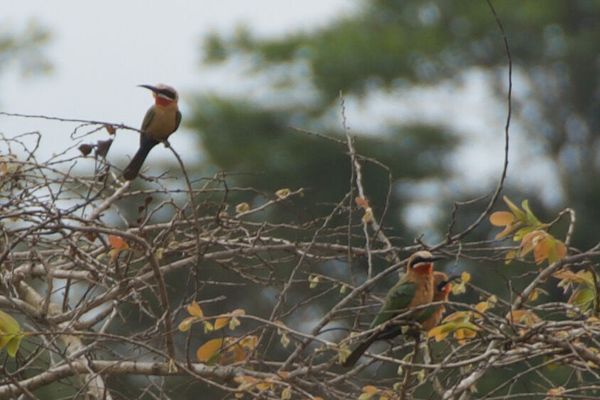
150,87
435,258
445,283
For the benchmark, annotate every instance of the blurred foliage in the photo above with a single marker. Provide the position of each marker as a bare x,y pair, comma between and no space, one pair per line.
554,46
387,46
25,47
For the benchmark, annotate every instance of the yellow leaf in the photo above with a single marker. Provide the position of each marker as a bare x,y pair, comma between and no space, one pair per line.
567,276
368,391
440,332
465,277
556,392
368,216
208,327
245,382
593,321
510,256
535,294
264,385
234,323
502,218
10,334
249,342
195,310
314,281
242,208
482,307
458,316
186,324
238,312
461,335
286,394
420,376
221,323
207,352
8,324
343,352
525,317
458,288
282,193
285,340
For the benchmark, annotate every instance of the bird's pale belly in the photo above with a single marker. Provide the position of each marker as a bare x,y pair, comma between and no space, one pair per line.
163,124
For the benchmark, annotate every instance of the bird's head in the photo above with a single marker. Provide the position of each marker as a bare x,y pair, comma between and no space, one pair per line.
421,262
164,95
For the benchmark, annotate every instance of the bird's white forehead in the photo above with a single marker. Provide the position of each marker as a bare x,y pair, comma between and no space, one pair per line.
163,86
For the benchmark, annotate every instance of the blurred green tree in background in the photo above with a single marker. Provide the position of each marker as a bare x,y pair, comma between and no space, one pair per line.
390,46
26,48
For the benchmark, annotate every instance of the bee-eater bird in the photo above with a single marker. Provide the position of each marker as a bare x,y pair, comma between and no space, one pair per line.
441,290
414,289
161,120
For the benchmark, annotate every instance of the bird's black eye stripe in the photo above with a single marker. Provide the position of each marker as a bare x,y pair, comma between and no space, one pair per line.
418,260
441,285
167,92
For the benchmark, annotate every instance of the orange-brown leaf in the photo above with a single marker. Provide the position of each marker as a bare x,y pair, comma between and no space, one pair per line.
208,351
542,250
525,317
117,242
502,218
221,323
195,310
186,324
362,202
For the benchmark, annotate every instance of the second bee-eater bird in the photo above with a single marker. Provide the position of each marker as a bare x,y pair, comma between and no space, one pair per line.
413,290
441,290
161,120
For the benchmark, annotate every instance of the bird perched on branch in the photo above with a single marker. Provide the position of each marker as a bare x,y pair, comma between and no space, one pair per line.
414,289
161,120
441,290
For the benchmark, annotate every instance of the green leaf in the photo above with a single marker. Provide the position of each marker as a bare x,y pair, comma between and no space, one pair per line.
529,215
515,210
583,298
10,334
13,345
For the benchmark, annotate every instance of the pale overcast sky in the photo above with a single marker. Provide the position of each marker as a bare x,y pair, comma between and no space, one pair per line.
101,50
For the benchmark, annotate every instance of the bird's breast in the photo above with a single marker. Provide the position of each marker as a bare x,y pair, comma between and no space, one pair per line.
163,123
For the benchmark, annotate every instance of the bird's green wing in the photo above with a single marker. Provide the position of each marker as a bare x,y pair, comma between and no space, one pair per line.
177,120
147,119
396,302
426,313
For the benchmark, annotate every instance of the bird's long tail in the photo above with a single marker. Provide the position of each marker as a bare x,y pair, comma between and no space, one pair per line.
133,169
388,333
358,352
